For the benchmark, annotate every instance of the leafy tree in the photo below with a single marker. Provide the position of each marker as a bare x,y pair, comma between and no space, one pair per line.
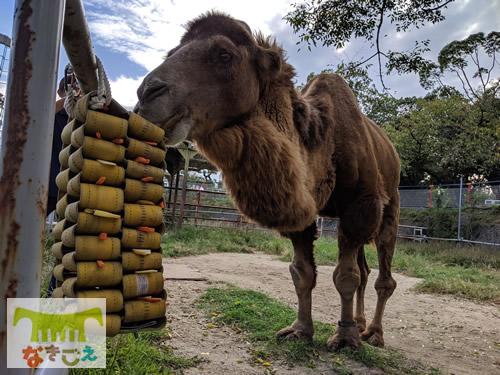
457,56
335,22
441,138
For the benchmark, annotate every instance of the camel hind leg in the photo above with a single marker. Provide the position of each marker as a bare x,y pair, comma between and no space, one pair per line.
303,270
364,270
358,224
385,283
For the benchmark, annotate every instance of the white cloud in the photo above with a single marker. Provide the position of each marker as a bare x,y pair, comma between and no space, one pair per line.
123,90
144,30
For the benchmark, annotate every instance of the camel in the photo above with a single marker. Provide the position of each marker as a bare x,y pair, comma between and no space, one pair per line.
285,157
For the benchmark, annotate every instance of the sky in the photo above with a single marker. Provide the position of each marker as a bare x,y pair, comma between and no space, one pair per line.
132,37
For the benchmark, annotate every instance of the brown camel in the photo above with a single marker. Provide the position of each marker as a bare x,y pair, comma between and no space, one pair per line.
285,157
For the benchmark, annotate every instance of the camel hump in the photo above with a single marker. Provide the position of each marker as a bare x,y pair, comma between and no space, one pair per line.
333,85
326,105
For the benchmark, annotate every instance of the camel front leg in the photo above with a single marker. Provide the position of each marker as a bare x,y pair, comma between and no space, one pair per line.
303,270
347,279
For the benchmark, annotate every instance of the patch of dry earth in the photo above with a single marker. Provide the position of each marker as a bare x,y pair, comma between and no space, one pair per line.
455,335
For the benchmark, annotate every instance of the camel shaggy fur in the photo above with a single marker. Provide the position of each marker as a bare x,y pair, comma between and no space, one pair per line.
286,157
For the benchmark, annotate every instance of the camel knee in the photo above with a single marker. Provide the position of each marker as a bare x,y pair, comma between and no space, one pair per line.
346,282
303,276
385,287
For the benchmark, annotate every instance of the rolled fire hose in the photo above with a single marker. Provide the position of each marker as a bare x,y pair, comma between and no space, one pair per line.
108,239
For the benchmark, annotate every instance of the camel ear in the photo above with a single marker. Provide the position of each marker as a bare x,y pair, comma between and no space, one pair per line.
268,62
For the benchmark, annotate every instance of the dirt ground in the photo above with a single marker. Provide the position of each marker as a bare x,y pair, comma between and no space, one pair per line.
454,335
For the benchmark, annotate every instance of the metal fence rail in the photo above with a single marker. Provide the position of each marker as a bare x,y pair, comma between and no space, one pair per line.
204,206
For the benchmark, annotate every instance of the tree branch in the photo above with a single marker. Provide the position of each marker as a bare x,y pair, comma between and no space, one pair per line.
463,84
479,69
468,83
492,66
379,27
438,7
366,60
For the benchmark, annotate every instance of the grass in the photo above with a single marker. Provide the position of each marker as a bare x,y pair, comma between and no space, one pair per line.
260,317
202,240
469,272
48,263
144,354
126,354
464,271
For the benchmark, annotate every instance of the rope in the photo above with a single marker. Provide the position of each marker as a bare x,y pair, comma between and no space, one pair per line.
97,101
103,97
70,102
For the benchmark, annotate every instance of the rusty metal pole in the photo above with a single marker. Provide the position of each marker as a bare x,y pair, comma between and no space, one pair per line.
184,189
171,186
188,152
78,46
175,196
197,208
25,151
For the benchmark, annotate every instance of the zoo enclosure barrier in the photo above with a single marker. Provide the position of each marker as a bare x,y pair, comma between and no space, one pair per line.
468,214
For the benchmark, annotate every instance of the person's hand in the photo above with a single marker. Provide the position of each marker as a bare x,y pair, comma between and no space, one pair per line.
59,104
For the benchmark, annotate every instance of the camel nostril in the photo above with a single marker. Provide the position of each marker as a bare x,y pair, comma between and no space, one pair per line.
154,91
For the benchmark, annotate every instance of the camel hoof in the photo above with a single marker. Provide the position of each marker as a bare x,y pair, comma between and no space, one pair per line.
345,337
361,324
373,338
290,333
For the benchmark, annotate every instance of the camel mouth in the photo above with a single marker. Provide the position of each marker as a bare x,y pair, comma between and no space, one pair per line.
172,120
177,128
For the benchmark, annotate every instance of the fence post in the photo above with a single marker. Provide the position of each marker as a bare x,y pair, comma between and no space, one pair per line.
25,153
175,196
460,208
469,185
197,208
171,186
430,198
187,152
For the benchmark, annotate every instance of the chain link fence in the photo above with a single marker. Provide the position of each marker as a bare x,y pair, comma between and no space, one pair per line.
465,213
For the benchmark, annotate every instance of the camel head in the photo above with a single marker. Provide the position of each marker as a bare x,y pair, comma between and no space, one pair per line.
211,80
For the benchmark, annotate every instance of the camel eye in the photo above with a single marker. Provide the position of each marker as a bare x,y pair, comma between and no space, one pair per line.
225,57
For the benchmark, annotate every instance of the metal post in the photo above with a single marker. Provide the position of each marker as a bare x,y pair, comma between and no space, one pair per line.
78,46
460,209
171,186
25,151
430,196
175,196
184,188
197,208
188,152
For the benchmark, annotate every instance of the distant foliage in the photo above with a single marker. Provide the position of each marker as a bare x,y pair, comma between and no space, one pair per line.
336,22
454,130
444,138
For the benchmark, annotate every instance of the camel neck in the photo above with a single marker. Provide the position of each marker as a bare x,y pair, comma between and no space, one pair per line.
276,106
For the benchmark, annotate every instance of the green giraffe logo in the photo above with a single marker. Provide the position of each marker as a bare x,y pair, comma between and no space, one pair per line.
58,323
